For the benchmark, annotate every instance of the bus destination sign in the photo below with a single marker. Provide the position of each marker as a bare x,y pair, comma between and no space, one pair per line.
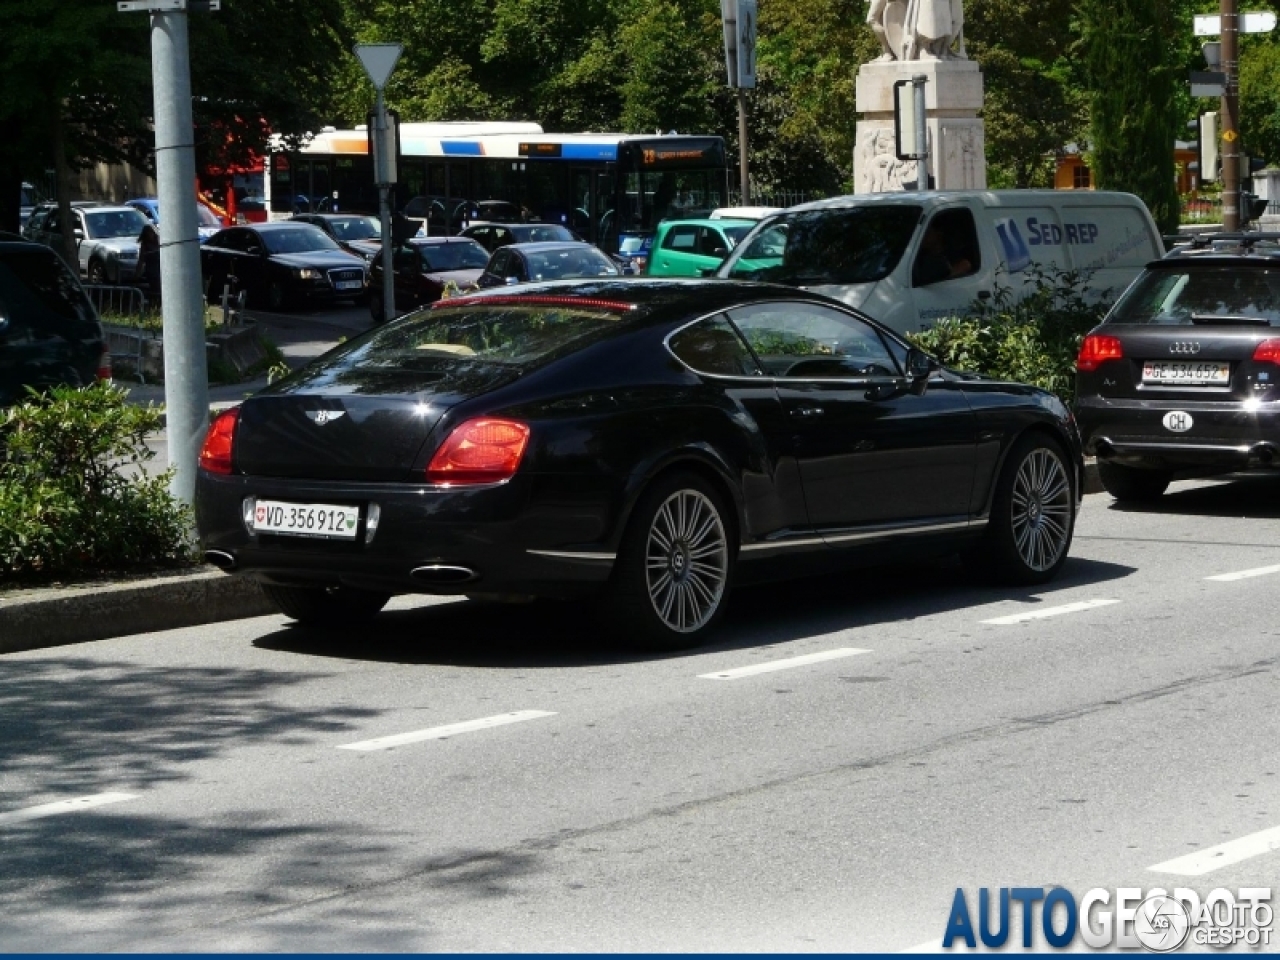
540,149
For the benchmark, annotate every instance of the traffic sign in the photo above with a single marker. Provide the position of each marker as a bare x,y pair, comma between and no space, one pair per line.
1208,83
378,60
1255,21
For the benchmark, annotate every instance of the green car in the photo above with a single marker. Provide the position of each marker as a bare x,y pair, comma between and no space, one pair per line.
692,248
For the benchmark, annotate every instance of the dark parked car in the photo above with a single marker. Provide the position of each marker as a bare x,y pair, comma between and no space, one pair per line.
49,331
653,442
424,268
354,232
1182,377
530,262
280,264
491,236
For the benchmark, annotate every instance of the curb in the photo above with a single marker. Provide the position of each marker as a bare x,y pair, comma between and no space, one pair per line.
32,619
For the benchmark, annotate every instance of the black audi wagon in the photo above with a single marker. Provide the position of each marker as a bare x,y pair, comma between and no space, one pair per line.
647,442
1182,378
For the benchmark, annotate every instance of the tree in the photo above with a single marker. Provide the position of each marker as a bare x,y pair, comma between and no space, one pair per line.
1033,107
1131,55
75,82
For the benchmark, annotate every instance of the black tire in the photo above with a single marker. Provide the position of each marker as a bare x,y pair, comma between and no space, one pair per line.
1133,483
375,307
97,272
672,597
320,606
1033,514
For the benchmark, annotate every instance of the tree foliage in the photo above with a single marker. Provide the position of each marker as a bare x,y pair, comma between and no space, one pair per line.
1131,65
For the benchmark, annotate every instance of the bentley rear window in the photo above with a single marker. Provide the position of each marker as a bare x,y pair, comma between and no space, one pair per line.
1202,294
514,334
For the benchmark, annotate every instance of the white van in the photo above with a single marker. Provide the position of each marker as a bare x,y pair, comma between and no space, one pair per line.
909,259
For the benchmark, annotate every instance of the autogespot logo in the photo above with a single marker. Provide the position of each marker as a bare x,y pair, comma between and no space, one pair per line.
1158,920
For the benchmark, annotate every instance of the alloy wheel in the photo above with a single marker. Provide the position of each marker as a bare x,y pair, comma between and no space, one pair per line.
686,561
1041,507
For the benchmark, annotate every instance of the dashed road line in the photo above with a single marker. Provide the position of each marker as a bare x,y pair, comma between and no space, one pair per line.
1223,855
1246,574
448,730
64,806
786,664
1045,612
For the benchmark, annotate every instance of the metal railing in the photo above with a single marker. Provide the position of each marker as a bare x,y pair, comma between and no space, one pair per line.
774,198
122,302
116,300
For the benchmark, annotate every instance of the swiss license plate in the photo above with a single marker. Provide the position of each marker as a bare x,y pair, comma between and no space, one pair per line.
1186,371
306,519
348,284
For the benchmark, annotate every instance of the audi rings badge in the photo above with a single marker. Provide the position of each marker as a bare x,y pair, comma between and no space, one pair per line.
1185,347
1178,421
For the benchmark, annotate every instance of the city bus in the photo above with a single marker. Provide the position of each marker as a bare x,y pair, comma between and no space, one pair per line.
612,189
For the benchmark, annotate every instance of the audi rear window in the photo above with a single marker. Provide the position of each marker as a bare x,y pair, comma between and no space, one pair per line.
1202,294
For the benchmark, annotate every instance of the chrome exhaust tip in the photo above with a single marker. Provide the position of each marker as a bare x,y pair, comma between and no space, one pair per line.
220,559
1103,450
443,573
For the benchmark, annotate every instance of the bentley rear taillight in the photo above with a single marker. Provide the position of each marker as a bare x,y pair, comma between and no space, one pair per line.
484,450
215,455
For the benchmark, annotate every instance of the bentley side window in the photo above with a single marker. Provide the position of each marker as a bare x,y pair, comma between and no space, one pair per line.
808,340
713,346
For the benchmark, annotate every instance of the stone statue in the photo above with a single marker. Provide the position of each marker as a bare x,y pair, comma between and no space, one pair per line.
887,19
918,29
880,170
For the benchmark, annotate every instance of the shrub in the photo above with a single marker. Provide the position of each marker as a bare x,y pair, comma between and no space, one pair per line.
1033,338
74,498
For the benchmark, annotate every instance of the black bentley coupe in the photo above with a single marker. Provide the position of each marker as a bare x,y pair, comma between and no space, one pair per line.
647,442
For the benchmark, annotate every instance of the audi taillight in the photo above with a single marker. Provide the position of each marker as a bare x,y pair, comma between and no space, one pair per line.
1097,349
484,450
215,455
1268,351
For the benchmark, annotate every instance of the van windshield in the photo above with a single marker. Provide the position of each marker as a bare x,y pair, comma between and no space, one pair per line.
849,245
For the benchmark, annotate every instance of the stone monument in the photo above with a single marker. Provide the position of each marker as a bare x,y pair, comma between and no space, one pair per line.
920,37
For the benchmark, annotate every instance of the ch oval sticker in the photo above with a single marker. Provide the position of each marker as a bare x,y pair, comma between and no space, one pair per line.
1178,421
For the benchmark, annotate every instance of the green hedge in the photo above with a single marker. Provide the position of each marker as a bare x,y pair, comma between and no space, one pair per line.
74,499
1032,338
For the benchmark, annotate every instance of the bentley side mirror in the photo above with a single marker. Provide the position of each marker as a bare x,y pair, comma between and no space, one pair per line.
920,366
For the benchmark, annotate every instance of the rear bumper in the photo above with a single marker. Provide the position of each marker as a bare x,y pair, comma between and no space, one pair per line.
427,539
1222,436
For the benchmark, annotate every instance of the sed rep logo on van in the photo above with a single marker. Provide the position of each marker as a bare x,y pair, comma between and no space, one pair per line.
1038,233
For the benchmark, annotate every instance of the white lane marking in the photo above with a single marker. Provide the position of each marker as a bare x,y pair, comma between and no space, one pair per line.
1045,612
64,806
1223,855
449,730
787,664
1246,574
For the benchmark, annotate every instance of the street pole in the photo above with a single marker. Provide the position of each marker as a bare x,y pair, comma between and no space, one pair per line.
742,147
186,376
384,212
1228,11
